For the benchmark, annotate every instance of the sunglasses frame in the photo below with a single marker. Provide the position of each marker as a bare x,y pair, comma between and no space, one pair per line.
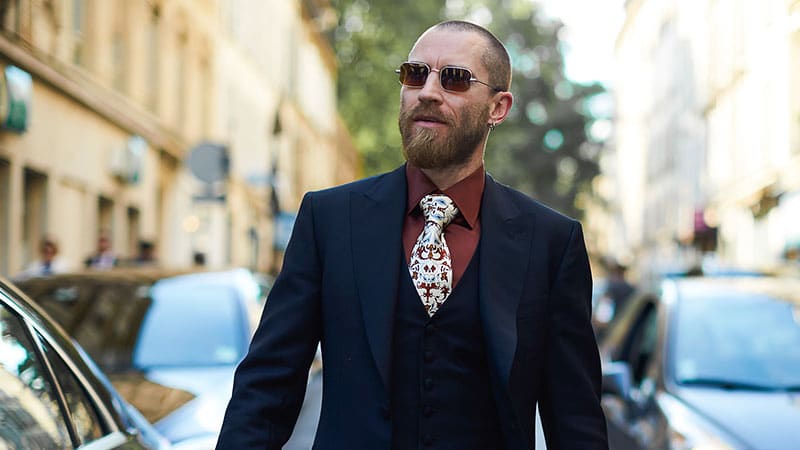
441,83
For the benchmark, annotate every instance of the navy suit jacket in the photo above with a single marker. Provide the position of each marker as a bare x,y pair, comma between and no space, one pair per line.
339,285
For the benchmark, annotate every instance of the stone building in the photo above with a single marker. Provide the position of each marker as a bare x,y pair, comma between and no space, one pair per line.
707,133
105,103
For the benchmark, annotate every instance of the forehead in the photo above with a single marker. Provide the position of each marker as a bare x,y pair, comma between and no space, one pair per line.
449,47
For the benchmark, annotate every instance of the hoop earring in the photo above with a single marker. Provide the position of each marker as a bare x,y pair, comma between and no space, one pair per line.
492,125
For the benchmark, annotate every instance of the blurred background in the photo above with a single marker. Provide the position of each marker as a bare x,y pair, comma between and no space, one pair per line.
185,132
180,136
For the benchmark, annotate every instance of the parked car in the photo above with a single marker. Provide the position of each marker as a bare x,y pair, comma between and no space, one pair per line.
51,394
705,362
169,343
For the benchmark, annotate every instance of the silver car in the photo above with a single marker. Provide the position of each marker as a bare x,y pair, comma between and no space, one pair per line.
169,343
705,362
51,394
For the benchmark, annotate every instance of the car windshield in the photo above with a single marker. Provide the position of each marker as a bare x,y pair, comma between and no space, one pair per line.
737,341
190,325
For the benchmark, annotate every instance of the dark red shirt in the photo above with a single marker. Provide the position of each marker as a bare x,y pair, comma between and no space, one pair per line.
463,232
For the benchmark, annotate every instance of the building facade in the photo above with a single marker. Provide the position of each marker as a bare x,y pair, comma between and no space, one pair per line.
707,128
108,105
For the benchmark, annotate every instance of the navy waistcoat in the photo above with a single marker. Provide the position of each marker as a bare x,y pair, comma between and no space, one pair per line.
441,387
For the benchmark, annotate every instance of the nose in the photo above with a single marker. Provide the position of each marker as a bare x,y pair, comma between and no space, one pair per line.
431,91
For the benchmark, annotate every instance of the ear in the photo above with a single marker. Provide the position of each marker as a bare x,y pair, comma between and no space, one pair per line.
500,107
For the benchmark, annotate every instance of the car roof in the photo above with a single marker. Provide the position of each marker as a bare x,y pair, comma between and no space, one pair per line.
34,312
121,275
780,287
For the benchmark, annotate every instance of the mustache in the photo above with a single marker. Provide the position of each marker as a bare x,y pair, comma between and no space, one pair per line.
424,112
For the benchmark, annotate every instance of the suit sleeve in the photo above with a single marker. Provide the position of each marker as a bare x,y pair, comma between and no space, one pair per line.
570,409
270,382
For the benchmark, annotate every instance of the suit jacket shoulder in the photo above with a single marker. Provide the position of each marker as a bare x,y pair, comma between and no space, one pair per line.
526,205
371,186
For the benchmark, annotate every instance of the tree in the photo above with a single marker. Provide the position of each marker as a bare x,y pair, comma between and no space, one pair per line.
544,147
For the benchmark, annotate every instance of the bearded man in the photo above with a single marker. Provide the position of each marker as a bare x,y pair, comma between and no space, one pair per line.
448,306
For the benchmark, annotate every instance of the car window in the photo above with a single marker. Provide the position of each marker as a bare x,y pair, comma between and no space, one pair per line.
643,344
84,415
104,317
191,325
29,412
633,338
738,338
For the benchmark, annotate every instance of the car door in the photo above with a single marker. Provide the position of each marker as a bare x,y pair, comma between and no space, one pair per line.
44,402
630,354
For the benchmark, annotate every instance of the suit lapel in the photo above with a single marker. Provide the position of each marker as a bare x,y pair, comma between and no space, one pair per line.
504,256
377,217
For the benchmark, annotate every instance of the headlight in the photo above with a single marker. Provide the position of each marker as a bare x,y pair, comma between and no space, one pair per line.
688,430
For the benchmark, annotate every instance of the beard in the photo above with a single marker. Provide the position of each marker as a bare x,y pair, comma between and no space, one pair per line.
428,148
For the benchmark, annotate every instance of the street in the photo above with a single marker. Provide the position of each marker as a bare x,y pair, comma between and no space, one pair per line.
303,435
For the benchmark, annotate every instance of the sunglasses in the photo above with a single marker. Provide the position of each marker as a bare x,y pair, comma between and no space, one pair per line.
452,78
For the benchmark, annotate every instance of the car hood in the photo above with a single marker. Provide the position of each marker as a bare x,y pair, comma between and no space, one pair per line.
757,419
182,403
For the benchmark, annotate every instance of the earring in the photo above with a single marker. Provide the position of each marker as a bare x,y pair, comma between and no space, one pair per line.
492,125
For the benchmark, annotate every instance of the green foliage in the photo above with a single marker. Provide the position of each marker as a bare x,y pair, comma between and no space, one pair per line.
543,148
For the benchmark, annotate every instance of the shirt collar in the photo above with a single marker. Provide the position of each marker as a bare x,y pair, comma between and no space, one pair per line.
466,194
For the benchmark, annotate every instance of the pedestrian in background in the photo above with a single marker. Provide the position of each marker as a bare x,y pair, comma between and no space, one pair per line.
48,263
147,254
104,257
618,289
448,305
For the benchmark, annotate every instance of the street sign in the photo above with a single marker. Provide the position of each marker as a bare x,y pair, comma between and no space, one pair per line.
209,162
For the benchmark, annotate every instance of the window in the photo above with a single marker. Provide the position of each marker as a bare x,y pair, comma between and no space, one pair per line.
103,317
29,411
205,100
17,18
134,230
633,337
182,81
84,415
34,212
78,29
5,210
105,213
175,333
118,56
153,30
119,47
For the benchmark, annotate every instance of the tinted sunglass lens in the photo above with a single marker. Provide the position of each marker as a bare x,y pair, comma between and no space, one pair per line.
455,79
413,74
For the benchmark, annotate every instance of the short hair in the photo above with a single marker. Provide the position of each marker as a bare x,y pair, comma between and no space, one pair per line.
495,58
48,241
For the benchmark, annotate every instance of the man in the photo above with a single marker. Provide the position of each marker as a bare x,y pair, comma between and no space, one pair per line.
429,341
104,257
49,263
618,289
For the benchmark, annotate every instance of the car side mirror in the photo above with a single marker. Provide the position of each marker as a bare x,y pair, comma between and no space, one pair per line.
617,379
